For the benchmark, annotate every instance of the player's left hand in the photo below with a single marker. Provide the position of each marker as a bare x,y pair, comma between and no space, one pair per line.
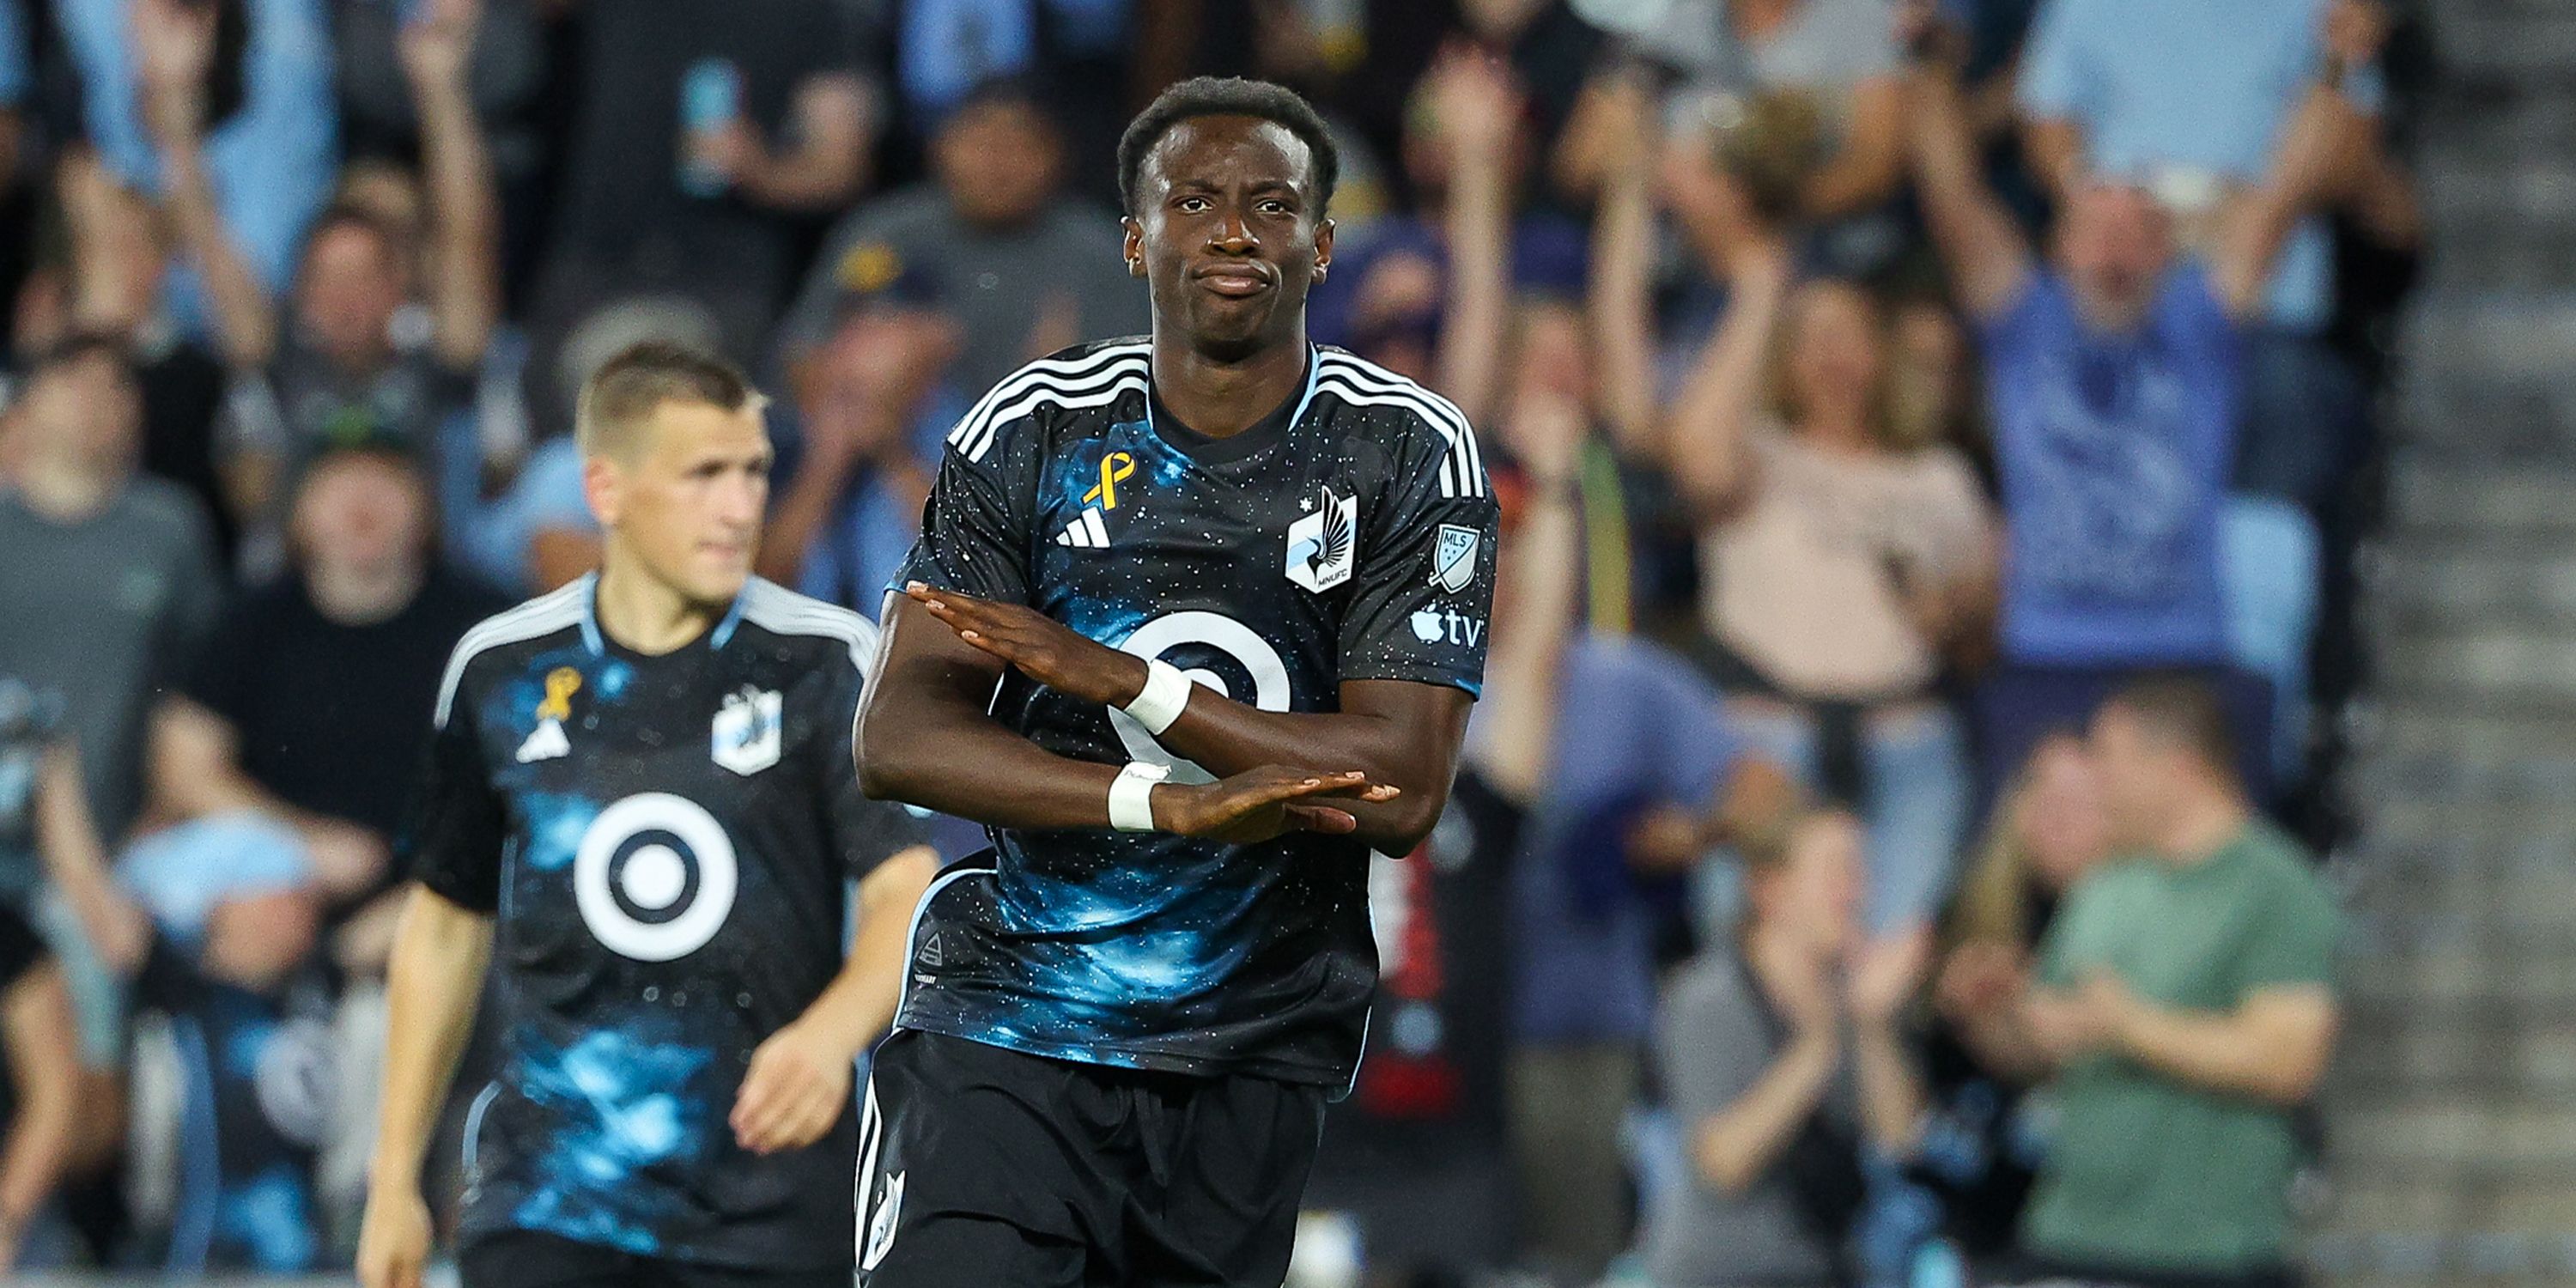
798,1085
1044,649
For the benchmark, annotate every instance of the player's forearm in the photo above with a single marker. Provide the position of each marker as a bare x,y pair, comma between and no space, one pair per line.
860,1003
921,743
1416,755
433,986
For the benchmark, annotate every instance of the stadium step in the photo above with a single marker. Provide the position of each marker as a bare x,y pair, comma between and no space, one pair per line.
2451,1110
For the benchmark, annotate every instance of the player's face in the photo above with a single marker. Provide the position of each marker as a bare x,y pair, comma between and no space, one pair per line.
687,507
1229,234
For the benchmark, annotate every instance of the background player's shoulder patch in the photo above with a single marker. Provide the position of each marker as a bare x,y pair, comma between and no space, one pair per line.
781,611
535,619
1089,376
1361,383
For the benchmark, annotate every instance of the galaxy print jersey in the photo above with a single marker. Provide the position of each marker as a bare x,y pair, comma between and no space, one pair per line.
1349,536
666,843
259,1078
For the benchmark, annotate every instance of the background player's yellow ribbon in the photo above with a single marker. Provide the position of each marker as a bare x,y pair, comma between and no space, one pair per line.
561,683
1113,467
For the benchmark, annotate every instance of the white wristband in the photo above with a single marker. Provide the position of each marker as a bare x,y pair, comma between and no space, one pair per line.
1166,693
1131,796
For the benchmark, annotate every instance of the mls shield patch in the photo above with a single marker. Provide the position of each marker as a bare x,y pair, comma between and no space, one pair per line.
746,731
1453,557
1324,547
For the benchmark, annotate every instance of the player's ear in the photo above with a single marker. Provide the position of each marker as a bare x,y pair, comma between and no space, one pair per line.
1323,247
603,485
1133,245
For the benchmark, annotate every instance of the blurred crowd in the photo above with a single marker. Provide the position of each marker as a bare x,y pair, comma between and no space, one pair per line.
1932,440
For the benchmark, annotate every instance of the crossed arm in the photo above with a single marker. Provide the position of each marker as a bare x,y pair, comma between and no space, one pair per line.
1379,768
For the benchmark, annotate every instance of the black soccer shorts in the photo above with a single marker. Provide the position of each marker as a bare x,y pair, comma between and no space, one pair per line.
987,1168
530,1259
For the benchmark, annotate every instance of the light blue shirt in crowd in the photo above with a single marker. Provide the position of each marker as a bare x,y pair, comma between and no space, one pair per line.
272,164
2199,84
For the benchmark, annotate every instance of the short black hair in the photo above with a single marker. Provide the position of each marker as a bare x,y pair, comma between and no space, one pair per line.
1228,96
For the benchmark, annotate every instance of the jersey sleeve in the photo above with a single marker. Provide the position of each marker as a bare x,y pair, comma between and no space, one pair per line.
1426,572
456,826
976,525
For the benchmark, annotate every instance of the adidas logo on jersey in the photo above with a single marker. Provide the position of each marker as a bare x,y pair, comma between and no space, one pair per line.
546,742
1085,533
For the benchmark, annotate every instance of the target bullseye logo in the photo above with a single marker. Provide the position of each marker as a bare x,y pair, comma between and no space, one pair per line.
654,877
1237,641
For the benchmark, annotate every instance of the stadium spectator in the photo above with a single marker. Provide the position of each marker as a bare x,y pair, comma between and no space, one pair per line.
215,926
1803,99
335,368
2114,383
1979,1149
1784,1057
1468,155
1026,268
1628,773
2190,100
305,703
703,132
39,1086
107,586
506,79
876,400
102,275
1838,563
2181,1009
263,75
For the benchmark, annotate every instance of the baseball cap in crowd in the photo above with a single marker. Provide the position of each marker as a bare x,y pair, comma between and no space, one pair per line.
180,874
876,275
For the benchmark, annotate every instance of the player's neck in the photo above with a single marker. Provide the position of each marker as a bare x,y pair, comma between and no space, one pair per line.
647,615
1221,399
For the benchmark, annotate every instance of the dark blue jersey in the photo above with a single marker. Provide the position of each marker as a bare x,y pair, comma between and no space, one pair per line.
1349,536
666,842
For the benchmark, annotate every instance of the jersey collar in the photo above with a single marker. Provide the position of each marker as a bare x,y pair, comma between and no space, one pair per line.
1199,447
596,640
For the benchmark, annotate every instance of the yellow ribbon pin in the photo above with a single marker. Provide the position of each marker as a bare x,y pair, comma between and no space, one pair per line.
1113,467
561,683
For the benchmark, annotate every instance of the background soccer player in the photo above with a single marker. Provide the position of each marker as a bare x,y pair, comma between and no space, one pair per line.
645,780
1254,572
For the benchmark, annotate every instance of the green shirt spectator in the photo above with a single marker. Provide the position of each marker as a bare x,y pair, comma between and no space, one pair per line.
2145,1170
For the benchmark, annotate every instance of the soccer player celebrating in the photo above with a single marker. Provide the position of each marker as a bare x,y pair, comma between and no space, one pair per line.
644,782
1232,588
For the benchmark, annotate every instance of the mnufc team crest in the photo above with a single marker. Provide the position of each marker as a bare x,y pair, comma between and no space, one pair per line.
1324,546
747,730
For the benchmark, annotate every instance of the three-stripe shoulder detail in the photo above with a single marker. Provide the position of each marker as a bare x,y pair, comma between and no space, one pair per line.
538,617
1093,379
781,611
1358,381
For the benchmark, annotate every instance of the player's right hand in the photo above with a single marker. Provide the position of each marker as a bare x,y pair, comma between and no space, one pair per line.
393,1239
1262,803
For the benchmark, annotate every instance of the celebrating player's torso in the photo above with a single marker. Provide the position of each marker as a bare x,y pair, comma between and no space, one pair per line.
1343,538
667,840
